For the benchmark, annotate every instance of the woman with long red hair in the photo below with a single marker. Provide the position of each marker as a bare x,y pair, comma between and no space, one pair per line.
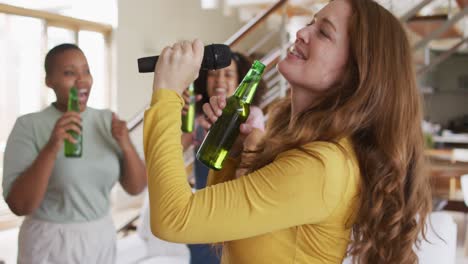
339,167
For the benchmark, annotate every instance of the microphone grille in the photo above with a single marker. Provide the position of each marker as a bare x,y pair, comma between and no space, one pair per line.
217,56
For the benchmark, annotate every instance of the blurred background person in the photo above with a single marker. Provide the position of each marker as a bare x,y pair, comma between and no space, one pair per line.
66,200
216,83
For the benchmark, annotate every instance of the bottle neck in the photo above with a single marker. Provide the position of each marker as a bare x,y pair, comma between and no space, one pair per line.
247,88
191,87
73,102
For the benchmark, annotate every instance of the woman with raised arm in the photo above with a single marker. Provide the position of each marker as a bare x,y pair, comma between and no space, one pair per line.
342,155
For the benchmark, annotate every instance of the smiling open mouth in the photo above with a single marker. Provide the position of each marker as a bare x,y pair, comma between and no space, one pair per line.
83,95
220,91
293,51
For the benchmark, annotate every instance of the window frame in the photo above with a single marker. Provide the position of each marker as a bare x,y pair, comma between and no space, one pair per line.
76,25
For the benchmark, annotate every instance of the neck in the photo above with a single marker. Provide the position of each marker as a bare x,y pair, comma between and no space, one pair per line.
301,99
60,107
64,107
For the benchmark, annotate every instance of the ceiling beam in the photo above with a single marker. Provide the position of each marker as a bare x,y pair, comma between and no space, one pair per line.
56,19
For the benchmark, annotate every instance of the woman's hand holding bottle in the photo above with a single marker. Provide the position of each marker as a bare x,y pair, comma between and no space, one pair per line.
68,121
246,140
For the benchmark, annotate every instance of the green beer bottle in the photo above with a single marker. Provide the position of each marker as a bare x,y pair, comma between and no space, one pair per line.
73,150
224,132
189,118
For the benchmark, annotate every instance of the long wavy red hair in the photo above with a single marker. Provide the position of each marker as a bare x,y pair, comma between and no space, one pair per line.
377,105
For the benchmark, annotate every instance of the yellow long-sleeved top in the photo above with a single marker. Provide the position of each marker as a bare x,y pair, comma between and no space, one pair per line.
294,210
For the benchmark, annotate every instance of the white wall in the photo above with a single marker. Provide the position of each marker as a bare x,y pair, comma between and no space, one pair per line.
146,27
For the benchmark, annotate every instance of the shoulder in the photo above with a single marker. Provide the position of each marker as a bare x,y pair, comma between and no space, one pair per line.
99,112
331,156
44,113
99,115
28,126
340,147
101,119
255,108
28,120
256,111
256,118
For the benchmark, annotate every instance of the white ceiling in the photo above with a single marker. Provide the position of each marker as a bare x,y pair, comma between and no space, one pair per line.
55,6
103,11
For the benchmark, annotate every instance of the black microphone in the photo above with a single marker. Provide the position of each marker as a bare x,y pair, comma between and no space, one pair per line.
216,56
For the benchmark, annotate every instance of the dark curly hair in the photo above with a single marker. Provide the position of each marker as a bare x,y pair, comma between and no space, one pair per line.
243,64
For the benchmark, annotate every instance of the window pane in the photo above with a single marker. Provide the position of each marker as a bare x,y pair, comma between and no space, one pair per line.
57,35
94,47
21,78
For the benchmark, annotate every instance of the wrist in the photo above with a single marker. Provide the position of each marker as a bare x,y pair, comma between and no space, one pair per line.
235,152
126,146
51,148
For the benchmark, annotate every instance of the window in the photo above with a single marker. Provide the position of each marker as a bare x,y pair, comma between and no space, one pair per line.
56,36
94,47
20,71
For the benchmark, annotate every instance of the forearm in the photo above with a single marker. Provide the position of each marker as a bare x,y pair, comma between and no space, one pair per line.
134,172
28,190
186,139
